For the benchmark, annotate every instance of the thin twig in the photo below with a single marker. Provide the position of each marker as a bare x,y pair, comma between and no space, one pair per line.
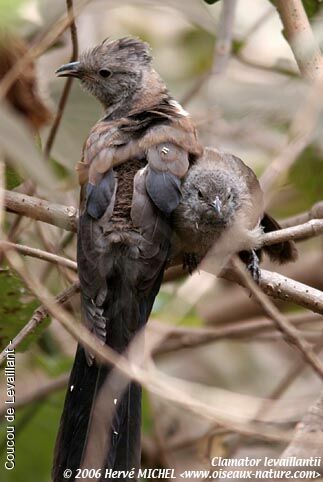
316,212
312,228
39,254
308,56
222,49
274,68
39,315
283,385
161,384
308,439
68,82
178,338
290,333
48,39
225,35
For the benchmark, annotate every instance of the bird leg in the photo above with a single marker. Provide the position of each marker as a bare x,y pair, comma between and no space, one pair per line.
251,261
190,262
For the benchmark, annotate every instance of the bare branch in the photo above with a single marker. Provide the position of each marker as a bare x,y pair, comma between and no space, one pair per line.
316,212
178,338
68,82
299,35
39,315
225,34
62,216
40,254
308,439
312,228
47,40
290,333
162,385
222,49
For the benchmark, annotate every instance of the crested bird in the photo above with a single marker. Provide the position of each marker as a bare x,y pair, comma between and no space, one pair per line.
132,167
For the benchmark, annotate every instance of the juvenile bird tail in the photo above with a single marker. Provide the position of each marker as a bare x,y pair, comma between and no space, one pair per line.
281,252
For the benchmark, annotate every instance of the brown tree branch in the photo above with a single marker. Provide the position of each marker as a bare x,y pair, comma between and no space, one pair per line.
39,315
178,338
316,212
39,254
290,333
61,216
66,217
47,40
222,49
68,82
308,439
162,385
299,34
310,229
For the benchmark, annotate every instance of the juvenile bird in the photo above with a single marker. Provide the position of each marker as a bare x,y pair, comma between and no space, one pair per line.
222,213
133,163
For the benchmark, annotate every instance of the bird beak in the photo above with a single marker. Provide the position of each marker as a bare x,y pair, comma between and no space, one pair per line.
217,205
69,70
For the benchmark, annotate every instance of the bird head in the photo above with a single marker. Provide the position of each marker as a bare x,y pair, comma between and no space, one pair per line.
115,72
212,196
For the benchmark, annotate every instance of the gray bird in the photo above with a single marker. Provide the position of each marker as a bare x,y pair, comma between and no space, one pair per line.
133,163
222,213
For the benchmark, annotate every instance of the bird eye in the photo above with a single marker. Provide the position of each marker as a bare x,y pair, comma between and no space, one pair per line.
105,73
200,195
229,196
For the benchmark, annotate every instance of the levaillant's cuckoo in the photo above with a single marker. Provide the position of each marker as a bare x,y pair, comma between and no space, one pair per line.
133,163
221,213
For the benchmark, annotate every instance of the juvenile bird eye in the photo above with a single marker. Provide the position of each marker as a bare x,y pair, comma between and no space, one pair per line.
200,195
105,73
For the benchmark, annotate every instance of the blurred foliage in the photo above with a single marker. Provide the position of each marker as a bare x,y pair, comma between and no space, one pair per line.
36,428
201,45
210,2
307,174
13,178
9,12
16,308
54,364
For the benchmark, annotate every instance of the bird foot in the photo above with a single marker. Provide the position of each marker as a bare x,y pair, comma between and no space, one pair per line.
253,266
190,262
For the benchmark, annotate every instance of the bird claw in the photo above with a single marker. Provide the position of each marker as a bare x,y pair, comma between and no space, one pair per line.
190,262
253,266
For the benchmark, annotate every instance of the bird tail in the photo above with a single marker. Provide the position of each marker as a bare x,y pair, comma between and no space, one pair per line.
282,252
101,419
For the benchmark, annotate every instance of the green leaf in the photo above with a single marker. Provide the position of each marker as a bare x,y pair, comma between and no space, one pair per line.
16,308
210,2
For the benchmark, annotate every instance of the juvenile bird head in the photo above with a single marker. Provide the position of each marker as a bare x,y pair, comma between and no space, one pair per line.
119,74
211,197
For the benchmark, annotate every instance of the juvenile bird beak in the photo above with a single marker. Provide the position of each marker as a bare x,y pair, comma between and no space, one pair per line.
217,204
69,70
